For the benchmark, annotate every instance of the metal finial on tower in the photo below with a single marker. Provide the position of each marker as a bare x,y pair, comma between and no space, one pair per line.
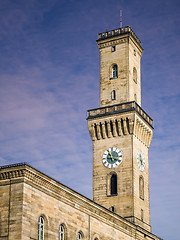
120,18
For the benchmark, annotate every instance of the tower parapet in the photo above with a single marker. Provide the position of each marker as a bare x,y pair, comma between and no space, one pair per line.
117,32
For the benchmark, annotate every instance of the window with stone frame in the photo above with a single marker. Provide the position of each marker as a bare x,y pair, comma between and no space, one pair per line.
114,71
41,228
61,232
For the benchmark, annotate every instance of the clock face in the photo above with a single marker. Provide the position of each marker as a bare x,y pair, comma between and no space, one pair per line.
141,161
112,157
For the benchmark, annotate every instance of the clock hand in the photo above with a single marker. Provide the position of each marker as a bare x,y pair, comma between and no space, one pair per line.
111,156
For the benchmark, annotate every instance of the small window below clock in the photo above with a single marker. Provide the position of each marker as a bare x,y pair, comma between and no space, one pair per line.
114,184
113,48
112,188
141,187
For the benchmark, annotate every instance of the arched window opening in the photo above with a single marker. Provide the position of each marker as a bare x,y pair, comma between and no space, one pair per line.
114,73
114,184
61,232
141,187
135,75
113,95
79,236
41,228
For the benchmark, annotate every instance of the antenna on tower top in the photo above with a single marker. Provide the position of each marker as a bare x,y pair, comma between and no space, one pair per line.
120,18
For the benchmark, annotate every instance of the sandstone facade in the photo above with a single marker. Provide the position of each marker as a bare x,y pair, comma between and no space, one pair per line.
121,123
26,194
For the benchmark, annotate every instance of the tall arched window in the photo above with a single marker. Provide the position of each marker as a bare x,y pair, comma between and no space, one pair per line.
79,236
135,75
141,187
114,71
61,232
113,184
41,228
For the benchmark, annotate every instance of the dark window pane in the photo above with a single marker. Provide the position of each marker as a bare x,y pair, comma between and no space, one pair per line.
113,184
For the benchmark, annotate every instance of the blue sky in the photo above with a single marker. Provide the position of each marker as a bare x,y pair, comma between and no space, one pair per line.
49,77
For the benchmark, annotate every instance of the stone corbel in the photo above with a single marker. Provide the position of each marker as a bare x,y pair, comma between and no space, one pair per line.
103,130
119,127
114,128
125,126
131,126
109,129
98,131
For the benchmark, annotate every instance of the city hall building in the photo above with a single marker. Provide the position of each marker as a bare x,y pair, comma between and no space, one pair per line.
37,207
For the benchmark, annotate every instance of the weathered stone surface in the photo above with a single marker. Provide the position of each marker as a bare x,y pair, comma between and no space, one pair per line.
26,198
127,56
123,124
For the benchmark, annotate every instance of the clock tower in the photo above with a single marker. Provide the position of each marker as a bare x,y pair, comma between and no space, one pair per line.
121,131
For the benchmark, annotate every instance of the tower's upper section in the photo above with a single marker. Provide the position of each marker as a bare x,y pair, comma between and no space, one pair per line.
120,67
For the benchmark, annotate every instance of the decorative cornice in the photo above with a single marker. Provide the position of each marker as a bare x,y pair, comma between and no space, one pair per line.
14,165
119,108
111,43
118,125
